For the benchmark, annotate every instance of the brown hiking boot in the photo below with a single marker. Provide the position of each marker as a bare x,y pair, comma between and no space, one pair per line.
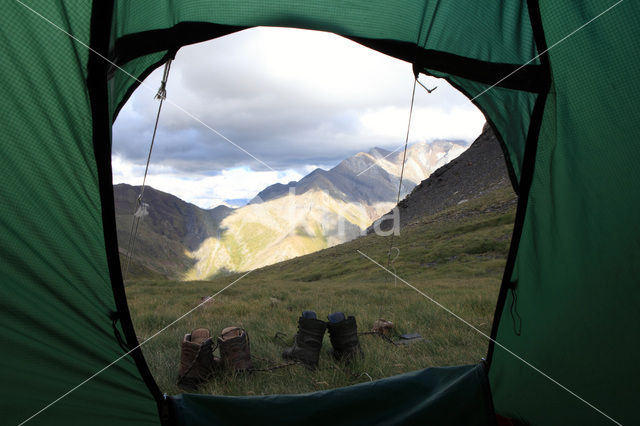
234,349
382,327
197,362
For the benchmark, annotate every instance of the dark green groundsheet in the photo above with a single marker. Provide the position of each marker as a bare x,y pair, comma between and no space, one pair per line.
435,396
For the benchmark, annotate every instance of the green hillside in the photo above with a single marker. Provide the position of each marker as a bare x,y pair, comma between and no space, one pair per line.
455,256
172,229
181,241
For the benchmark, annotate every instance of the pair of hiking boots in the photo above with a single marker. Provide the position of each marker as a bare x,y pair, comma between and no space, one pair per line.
198,363
343,334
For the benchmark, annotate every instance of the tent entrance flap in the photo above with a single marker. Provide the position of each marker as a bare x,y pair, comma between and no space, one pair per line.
440,396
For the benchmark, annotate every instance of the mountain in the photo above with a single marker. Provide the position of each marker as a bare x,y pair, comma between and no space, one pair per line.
172,229
479,170
371,177
323,209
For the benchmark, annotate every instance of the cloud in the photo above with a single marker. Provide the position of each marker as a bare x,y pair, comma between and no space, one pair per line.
295,99
204,191
291,98
427,123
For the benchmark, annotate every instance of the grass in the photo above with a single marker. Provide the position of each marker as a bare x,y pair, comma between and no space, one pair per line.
456,257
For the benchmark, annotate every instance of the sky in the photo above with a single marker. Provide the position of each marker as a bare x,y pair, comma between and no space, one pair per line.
286,101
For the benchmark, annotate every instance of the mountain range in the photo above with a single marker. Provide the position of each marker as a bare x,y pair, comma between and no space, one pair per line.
179,240
372,177
167,234
477,171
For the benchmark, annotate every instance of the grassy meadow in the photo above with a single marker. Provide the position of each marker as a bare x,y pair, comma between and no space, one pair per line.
456,257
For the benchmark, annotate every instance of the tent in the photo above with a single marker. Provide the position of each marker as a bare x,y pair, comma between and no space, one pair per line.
558,81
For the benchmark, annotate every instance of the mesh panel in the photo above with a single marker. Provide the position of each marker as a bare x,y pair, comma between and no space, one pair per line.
577,266
55,294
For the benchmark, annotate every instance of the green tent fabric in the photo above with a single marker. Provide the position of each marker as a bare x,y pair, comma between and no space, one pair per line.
568,121
577,269
436,396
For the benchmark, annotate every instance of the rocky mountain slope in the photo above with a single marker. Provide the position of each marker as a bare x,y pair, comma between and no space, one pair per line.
479,170
323,209
371,177
172,229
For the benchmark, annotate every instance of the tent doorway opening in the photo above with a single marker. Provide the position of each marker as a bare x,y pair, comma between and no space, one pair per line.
280,193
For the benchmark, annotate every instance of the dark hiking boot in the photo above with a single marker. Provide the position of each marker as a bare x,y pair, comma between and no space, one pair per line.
343,333
234,349
308,341
197,363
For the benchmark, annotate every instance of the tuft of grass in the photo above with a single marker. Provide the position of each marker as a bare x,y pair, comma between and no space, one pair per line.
456,257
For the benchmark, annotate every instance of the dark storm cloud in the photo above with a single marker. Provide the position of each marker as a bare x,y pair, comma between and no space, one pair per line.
282,140
288,106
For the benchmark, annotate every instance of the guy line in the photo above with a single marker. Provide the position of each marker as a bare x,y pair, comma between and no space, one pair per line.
146,85
206,300
262,162
519,68
490,339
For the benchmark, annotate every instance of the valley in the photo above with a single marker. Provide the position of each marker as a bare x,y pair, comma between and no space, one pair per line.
455,236
181,241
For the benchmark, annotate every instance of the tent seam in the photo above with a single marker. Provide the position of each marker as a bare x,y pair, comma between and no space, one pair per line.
526,176
97,70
